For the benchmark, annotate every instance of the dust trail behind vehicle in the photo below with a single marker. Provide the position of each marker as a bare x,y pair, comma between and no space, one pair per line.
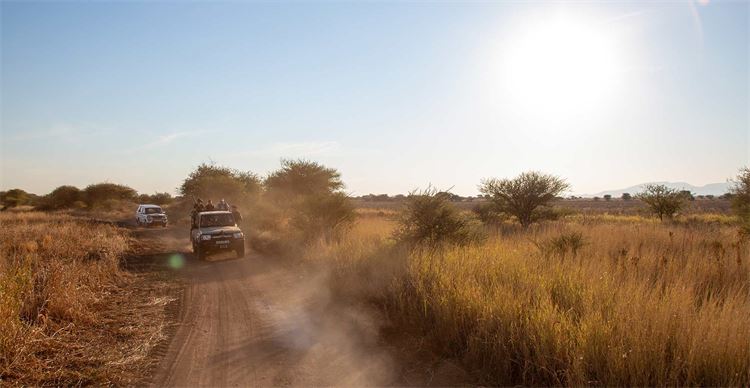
261,321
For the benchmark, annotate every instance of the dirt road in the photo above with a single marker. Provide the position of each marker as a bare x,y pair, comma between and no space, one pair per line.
258,322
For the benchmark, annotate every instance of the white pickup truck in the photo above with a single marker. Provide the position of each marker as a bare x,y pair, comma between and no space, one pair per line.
150,215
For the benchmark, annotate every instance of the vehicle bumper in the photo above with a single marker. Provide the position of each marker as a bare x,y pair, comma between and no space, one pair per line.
217,245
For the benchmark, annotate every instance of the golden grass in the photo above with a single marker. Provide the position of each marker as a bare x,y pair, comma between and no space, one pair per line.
66,315
637,303
690,219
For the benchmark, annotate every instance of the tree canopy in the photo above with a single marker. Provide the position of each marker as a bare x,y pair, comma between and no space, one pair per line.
216,182
523,195
100,192
302,178
741,198
662,200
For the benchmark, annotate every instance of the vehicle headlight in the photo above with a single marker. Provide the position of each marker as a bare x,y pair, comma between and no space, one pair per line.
238,235
205,237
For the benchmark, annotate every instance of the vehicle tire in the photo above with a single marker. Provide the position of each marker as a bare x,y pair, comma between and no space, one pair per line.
197,251
200,254
240,252
164,225
137,222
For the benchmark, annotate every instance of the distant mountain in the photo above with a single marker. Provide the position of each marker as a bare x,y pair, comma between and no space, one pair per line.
709,189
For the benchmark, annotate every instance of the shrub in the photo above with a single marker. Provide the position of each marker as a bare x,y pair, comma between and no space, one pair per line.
156,198
741,198
489,215
559,246
63,197
687,194
215,182
323,216
14,198
302,203
626,197
662,200
300,178
430,219
524,195
108,192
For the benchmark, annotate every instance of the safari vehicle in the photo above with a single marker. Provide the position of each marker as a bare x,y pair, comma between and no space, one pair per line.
216,231
150,215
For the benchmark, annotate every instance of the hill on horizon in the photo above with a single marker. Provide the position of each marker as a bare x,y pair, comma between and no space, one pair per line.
715,189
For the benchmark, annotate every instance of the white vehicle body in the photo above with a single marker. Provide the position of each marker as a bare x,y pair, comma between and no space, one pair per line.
150,215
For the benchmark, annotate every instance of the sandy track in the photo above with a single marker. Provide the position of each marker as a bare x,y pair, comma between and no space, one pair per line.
259,322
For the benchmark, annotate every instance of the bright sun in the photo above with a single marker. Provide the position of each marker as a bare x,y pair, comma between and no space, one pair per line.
560,67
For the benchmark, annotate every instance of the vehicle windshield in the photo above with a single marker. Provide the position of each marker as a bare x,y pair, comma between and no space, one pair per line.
153,210
221,219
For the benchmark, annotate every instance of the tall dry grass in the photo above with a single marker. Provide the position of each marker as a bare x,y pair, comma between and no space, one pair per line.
581,301
53,270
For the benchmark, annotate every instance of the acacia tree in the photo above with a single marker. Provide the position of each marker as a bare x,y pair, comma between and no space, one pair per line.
662,200
300,178
310,195
63,197
741,198
525,195
216,182
98,193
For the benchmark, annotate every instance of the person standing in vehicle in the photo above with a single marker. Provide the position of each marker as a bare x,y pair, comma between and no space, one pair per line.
222,205
236,214
197,208
210,206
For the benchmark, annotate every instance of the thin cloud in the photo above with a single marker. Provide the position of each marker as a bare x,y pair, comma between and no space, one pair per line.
163,140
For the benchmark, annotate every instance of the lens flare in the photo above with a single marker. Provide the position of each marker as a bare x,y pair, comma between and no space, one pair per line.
176,261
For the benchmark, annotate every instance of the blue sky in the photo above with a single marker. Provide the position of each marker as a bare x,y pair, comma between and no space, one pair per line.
395,95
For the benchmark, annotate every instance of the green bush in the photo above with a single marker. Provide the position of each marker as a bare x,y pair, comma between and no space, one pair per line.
430,219
662,200
156,198
525,195
63,197
14,198
488,213
210,181
302,178
324,216
741,199
97,194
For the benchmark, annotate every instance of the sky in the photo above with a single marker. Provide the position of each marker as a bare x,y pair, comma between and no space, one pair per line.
395,95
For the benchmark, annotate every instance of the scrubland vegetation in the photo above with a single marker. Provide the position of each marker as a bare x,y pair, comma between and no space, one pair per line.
567,299
606,303
517,289
61,296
